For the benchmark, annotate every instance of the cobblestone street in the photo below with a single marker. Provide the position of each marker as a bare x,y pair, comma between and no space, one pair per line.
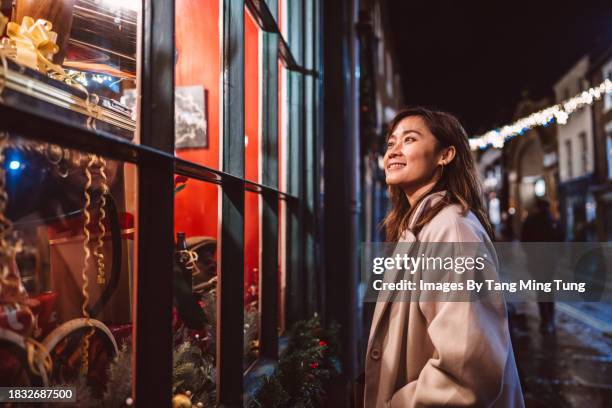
571,368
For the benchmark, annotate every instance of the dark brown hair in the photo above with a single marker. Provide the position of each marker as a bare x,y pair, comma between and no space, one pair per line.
458,178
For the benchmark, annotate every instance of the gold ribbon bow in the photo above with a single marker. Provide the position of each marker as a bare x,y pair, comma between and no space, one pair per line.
34,44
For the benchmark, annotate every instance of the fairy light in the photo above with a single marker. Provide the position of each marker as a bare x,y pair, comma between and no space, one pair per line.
560,113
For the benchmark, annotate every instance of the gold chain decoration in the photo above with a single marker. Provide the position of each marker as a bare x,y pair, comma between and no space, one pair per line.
98,249
98,254
85,288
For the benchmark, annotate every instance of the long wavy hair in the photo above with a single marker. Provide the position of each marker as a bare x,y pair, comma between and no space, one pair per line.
459,177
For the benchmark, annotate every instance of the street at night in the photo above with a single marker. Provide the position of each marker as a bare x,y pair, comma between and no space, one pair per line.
572,368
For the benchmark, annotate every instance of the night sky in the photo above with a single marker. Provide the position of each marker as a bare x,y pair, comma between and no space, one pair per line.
475,58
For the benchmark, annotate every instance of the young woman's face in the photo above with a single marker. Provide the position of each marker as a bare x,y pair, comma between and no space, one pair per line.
412,155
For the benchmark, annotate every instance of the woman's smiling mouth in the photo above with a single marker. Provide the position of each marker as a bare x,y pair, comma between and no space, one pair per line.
395,166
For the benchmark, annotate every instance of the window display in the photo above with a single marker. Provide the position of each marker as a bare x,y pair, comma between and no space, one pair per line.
89,148
72,59
67,222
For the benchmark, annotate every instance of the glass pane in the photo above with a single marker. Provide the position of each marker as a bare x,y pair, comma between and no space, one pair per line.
74,59
67,263
195,283
252,97
252,256
197,74
282,127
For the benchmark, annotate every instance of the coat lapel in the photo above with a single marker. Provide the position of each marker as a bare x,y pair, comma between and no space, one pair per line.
407,237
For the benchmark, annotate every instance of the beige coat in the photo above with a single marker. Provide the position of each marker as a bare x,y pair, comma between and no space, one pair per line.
431,354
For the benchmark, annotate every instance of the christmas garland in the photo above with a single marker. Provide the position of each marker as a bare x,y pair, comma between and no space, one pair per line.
310,360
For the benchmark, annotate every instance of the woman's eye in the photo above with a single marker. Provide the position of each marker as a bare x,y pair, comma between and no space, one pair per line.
389,145
409,139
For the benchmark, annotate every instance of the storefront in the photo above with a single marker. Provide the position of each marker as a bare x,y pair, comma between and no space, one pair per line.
127,130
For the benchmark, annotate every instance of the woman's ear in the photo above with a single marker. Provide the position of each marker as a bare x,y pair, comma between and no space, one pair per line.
448,154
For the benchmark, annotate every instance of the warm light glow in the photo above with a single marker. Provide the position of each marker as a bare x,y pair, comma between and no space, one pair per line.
540,188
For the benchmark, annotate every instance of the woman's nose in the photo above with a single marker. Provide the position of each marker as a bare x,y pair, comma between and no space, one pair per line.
394,151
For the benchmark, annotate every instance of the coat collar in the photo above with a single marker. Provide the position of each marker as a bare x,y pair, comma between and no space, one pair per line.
426,203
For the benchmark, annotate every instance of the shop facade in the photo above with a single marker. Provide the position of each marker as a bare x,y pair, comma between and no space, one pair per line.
129,129
601,69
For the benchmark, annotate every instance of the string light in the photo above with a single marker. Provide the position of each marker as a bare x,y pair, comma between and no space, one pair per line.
559,113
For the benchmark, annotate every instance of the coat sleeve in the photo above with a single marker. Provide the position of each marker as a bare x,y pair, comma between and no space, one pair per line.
471,342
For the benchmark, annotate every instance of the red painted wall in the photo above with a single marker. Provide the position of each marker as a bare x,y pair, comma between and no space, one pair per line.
197,43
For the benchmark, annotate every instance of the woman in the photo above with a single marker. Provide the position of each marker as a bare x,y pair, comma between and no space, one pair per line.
430,354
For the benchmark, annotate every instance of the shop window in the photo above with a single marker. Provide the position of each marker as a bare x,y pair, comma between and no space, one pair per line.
194,321
75,59
252,279
197,84
252,97
74,214
67,243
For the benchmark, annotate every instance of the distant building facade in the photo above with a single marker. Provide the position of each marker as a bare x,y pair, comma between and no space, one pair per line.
600,70
576,158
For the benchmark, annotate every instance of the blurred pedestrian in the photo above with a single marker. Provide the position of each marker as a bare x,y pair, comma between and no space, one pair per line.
539,226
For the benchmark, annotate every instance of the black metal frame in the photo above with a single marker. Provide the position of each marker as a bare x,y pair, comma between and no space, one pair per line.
157,166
